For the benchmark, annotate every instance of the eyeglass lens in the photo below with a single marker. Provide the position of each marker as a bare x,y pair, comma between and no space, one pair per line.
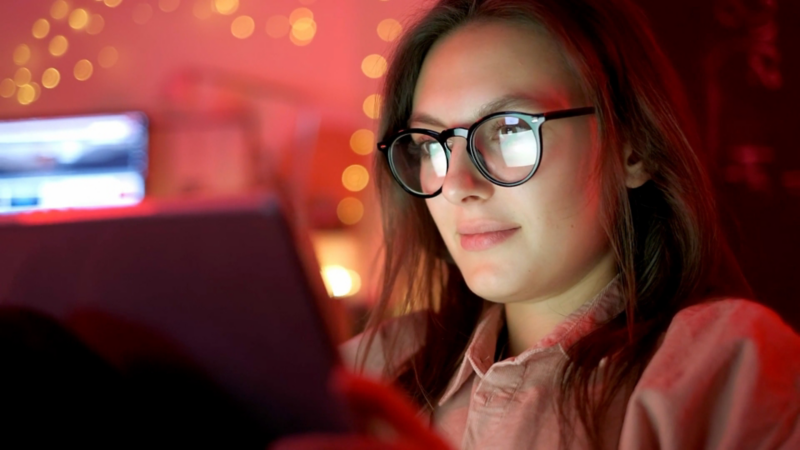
506,146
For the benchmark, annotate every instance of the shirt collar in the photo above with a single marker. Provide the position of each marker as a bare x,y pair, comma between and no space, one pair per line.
479,356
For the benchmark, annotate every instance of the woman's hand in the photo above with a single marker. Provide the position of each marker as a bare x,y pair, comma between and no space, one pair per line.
386,421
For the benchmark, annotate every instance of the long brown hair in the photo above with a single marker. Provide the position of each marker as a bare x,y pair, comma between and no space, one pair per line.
664,234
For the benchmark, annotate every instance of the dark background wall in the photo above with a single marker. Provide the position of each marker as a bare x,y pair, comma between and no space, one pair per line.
740,63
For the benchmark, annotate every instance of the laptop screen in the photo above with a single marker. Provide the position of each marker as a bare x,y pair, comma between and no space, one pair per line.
73,162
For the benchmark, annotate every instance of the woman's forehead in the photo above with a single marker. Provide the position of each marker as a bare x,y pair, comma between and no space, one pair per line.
483,64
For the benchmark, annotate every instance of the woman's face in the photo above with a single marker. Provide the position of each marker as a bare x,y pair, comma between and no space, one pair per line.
538,240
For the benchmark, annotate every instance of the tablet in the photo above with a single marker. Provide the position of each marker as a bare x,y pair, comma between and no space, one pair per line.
202,293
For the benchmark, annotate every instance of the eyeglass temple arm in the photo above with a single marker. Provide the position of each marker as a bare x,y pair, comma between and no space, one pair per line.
569,113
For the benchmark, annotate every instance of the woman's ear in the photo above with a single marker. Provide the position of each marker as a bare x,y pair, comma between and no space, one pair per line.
635,175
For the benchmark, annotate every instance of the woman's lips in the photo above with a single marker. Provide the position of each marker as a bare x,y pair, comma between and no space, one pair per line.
482,241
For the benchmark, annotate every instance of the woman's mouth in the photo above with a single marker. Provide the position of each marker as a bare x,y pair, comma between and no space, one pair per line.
474,242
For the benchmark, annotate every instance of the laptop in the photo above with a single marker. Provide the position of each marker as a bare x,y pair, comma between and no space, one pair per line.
217,298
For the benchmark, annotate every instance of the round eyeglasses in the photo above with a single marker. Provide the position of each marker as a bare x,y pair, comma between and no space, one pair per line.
506,147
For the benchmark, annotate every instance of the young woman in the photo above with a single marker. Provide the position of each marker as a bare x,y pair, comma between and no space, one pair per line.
552,234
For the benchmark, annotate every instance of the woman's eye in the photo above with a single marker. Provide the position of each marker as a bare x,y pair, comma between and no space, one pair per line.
509,129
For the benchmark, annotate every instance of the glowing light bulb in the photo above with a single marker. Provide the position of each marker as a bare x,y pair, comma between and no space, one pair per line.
96,24
374,66
355,178
26,94
78,19
7,88
242,27
340,281
22,76
226,7
58,45
50,78
350,210
22,54
362,142
41,28
59,9
303,31
107,57
389,29
83,70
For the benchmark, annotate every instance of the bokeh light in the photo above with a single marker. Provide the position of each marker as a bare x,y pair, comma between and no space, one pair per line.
112,3
374,66
41,28
169,5
7,88
389,29
58,45
341,282
107,57
96,24
362,142
22,76
300,13
242,27
226,7
372,106
350,211
278,26
78,19
142,13
83,70
355,178
37,90
22,54
59,9
26,94
50,78
203,9
303,31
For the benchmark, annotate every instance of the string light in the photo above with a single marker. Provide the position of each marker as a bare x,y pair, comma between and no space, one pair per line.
362,142
107,57
169,5
355,178
78,19
350,211
389,29
303,31
96,24
226,7
374,66
59,10
7,88
278,26
242,27
41,28
58,45
372,106
142,13
26,94
22,76
50,78
300,13
83,70
22,54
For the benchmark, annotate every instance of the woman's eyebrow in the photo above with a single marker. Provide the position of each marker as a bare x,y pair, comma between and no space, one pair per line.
500,104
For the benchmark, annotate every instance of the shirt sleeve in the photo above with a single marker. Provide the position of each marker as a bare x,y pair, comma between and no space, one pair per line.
727,376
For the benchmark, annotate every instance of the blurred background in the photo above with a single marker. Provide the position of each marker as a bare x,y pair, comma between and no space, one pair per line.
244,95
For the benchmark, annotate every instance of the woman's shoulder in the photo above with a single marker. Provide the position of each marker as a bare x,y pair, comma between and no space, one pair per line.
726,375
405,333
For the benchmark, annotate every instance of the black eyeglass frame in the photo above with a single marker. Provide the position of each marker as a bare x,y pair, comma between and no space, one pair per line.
534,121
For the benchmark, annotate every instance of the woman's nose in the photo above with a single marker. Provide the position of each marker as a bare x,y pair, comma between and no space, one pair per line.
463,181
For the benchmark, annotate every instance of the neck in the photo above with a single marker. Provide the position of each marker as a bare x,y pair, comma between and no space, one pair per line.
529,321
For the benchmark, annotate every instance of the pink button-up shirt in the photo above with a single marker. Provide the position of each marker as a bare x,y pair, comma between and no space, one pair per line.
726,376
